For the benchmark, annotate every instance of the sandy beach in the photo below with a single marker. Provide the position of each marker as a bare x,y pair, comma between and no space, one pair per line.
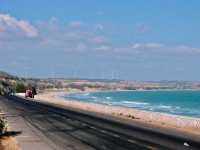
181,123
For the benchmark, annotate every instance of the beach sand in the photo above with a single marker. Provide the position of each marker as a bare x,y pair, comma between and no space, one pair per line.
181,123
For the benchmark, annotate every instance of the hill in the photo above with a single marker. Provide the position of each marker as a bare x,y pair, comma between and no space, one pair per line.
5,75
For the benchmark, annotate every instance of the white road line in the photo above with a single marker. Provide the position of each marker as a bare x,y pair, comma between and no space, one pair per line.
131,141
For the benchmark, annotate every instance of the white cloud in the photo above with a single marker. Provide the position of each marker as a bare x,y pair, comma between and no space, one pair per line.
103,48
160,49
9,23
98,40
136,45
53,20
81,47
147,45
188,49
141,28
75,24
58,37
99,27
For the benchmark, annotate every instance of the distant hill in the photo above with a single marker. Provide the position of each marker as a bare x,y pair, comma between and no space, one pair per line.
7,79
6,75
20,84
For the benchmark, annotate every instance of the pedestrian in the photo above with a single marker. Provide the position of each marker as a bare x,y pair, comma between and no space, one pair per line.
34,92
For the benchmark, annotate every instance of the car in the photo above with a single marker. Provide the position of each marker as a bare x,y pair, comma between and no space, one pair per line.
29,94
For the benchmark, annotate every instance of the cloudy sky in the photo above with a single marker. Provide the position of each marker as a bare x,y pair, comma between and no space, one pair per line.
132,39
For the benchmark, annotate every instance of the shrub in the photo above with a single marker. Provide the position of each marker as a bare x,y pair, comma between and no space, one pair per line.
20,88
3,125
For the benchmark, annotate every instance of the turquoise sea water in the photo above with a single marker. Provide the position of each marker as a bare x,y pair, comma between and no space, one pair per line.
173,102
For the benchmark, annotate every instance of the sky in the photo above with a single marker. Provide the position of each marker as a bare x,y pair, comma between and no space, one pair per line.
115,39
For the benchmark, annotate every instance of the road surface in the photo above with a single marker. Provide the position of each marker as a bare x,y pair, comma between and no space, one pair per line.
55,127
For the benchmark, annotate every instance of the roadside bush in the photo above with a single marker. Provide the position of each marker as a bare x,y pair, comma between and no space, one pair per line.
4,83
20,88
75,86
3,125
1,89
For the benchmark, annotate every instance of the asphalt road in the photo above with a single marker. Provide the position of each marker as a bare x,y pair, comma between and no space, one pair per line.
67,129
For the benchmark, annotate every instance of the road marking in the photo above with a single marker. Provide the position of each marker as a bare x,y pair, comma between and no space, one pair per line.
24,136
103,131
152,148
131,141
116,135
93,127
186,144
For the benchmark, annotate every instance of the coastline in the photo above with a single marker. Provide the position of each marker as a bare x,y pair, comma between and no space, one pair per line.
182,123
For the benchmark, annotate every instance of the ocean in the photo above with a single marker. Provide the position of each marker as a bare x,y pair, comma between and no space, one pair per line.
178,102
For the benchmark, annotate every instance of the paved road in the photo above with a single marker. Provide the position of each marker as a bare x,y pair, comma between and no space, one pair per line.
62,129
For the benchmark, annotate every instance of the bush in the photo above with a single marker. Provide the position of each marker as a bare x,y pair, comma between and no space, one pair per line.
4,83
3,125
20,88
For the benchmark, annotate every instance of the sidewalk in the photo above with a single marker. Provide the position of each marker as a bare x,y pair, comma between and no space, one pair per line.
30,138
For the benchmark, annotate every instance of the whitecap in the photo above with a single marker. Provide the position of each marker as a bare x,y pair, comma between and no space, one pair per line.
165,106
108,97
85,94
135,103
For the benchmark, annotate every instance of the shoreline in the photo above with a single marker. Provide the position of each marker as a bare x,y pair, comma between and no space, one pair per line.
186,124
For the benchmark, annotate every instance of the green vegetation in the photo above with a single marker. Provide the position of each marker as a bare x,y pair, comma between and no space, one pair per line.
75,86
3,125
130,88
12,83
3,86
1,90
20,88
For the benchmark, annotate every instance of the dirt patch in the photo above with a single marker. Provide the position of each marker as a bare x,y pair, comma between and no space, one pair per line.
8,143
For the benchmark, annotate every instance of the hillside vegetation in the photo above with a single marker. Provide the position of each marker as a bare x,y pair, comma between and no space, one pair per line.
12,83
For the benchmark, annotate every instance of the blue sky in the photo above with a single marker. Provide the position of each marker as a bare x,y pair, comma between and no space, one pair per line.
133,39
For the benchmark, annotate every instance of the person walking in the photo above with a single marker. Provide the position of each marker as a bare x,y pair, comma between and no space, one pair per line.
34,92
